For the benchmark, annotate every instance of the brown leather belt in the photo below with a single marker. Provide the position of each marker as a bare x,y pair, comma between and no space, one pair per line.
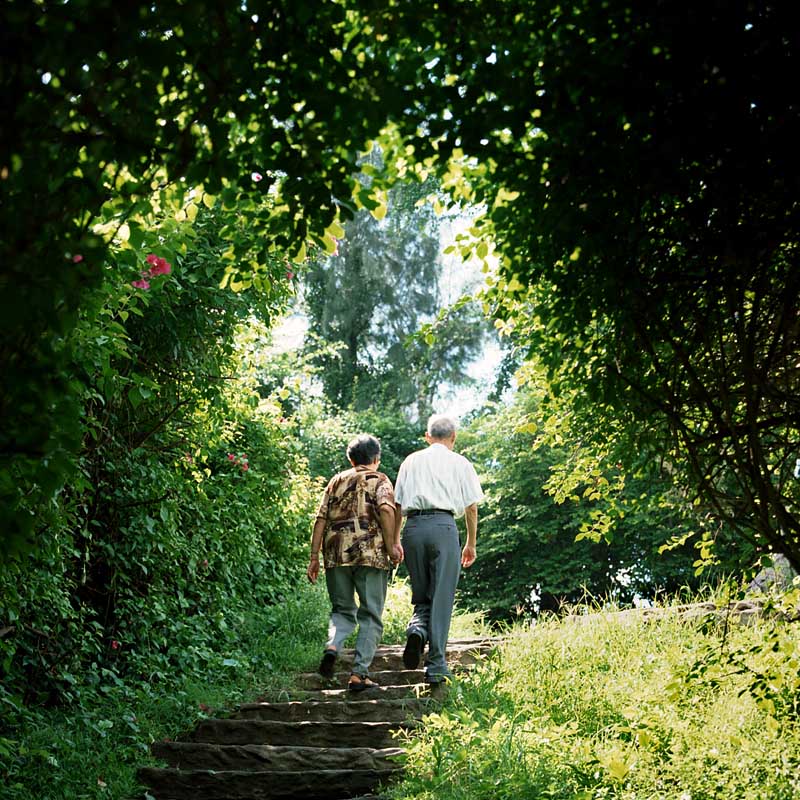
417,512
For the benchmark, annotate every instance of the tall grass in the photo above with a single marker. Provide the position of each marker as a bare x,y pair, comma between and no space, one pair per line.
611,707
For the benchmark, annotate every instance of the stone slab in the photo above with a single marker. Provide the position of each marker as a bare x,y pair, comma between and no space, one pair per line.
254,757
173,784
303,734
379,709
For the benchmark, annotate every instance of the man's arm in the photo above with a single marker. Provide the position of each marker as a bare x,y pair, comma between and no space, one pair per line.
389,531
316,543
471,519
398,523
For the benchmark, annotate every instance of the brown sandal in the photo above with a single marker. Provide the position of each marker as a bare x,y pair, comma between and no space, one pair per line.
360,685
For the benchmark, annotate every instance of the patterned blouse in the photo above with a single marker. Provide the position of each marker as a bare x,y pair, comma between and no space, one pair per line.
350,508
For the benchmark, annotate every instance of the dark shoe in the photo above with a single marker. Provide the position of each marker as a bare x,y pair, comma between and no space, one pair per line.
362,685
413,651
326,665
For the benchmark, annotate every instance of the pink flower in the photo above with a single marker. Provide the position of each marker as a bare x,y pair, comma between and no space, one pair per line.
151,258
231,457
77,258
289,275
256,176
245,467
161,267
114,644
142,284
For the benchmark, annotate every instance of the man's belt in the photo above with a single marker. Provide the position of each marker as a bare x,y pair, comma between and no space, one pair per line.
422,512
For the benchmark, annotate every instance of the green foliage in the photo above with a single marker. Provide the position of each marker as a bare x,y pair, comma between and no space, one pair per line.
325,433
95,748
605,706
611,147
189,504
561,518
106,128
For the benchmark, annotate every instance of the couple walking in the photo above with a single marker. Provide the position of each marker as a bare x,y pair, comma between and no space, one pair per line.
358,529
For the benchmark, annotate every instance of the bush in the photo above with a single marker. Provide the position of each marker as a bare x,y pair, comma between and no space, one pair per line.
188,504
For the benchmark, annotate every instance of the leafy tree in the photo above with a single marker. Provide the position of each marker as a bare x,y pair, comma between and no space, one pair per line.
639,164
372,296
119,111
562,520
189,503
640,173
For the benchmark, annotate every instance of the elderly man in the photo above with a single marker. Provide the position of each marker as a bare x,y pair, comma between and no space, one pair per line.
433,487
355,528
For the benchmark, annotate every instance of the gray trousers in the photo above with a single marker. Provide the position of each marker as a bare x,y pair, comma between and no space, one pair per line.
433,558
343,584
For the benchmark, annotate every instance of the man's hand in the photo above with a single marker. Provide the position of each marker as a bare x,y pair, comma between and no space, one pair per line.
468,556
313,569
396,554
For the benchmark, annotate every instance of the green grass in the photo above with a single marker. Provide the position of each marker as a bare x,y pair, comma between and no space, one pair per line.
614,708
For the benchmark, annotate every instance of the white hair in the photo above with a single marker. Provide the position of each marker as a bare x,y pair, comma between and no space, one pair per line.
441,427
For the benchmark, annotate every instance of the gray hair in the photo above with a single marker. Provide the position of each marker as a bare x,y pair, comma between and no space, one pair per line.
441,427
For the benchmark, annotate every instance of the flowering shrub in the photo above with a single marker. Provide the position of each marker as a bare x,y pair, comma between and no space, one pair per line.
189,504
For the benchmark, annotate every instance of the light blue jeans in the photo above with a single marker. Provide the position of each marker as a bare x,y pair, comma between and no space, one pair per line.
369,583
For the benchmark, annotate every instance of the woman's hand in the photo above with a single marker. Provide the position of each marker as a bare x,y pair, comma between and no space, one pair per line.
313,569
396,554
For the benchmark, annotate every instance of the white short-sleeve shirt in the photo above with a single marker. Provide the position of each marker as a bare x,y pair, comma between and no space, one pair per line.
437,478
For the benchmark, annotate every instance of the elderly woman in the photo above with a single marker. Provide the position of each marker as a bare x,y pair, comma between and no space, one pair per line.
355,528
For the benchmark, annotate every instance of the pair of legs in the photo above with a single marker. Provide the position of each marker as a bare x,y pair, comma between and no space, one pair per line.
344,583
433,558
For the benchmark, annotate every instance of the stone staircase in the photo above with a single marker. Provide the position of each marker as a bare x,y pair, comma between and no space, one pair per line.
315,741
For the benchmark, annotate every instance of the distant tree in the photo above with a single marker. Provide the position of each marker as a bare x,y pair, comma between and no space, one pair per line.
371,297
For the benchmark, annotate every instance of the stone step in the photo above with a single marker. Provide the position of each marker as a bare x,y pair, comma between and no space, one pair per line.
313,680
365,709
390,657
297,734
254,757
391,677
173,784
405,690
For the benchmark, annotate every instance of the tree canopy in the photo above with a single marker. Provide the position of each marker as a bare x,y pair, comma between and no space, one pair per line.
638,166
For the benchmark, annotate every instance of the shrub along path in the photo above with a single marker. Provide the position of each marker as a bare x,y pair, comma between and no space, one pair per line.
314,741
